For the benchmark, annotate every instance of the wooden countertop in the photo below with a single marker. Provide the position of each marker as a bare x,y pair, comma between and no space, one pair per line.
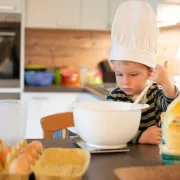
103,165
53,88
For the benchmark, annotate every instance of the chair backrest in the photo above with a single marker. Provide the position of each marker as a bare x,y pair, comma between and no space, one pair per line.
55,122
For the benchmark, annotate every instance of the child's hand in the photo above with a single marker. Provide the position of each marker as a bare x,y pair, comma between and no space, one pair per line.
160,74
151,136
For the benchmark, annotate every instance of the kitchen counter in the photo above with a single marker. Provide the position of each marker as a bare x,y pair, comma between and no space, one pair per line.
99,91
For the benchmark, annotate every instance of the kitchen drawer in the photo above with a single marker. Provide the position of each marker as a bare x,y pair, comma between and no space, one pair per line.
11,6
9,96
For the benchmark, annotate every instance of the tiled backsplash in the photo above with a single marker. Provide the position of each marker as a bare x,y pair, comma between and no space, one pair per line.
58,47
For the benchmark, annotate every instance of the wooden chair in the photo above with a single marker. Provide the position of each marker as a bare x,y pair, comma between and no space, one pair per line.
56,122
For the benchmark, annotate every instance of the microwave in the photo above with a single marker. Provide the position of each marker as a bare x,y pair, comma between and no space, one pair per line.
10,45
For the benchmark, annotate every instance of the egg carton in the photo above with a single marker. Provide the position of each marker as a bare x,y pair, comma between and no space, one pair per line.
69,163
9,154
13,159
50,164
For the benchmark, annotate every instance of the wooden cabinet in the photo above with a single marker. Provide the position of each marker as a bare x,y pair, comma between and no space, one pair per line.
52,14
94,14
11,6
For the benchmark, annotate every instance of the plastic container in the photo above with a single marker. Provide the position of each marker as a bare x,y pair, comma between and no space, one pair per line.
57,77
70,77
170,143
13,119
83,75
39,78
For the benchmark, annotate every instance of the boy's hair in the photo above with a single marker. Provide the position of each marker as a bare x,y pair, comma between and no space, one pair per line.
126,61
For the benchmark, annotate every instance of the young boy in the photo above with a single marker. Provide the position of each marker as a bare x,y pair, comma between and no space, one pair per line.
133,54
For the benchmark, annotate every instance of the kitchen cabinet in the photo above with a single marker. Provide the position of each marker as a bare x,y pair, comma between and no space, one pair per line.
76,14
43,104
11,6
94,14
52,14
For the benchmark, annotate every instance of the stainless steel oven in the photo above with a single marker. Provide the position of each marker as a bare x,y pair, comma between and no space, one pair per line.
10,43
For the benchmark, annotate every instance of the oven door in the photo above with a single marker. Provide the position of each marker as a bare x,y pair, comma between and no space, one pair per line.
9,52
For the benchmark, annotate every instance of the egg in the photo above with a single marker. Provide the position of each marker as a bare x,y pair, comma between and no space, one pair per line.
27,157
31,151
19,166
1,144
3,154
37,145
1,168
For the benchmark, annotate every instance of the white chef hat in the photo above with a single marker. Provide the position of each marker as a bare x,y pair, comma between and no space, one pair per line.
134,33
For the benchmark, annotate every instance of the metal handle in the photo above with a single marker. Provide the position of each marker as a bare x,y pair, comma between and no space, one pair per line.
7,7
7,34
40,98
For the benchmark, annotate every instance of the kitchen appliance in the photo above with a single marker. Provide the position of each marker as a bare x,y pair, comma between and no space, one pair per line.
108,73
10,43
106,124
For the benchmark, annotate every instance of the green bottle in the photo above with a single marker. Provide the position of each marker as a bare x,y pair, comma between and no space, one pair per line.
57,77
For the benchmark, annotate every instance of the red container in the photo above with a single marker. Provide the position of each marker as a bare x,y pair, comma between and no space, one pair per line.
70,77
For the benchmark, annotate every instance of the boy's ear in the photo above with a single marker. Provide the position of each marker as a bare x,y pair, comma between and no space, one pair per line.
150,72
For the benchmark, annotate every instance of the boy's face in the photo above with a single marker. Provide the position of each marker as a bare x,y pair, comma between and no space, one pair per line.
131,77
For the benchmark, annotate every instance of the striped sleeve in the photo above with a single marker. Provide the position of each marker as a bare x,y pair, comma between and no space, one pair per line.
162,100
110,98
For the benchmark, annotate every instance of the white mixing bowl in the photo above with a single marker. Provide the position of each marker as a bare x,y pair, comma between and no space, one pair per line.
107,124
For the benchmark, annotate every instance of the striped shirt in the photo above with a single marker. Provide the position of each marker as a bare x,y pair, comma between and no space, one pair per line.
157,101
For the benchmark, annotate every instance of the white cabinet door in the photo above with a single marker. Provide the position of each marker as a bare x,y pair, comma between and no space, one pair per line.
52,13
43,104
94,14
11,6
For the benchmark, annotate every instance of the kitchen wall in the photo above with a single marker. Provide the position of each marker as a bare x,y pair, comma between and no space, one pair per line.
169,42
60,47
55,47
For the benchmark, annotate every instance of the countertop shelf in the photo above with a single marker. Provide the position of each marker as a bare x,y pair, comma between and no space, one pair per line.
99,90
